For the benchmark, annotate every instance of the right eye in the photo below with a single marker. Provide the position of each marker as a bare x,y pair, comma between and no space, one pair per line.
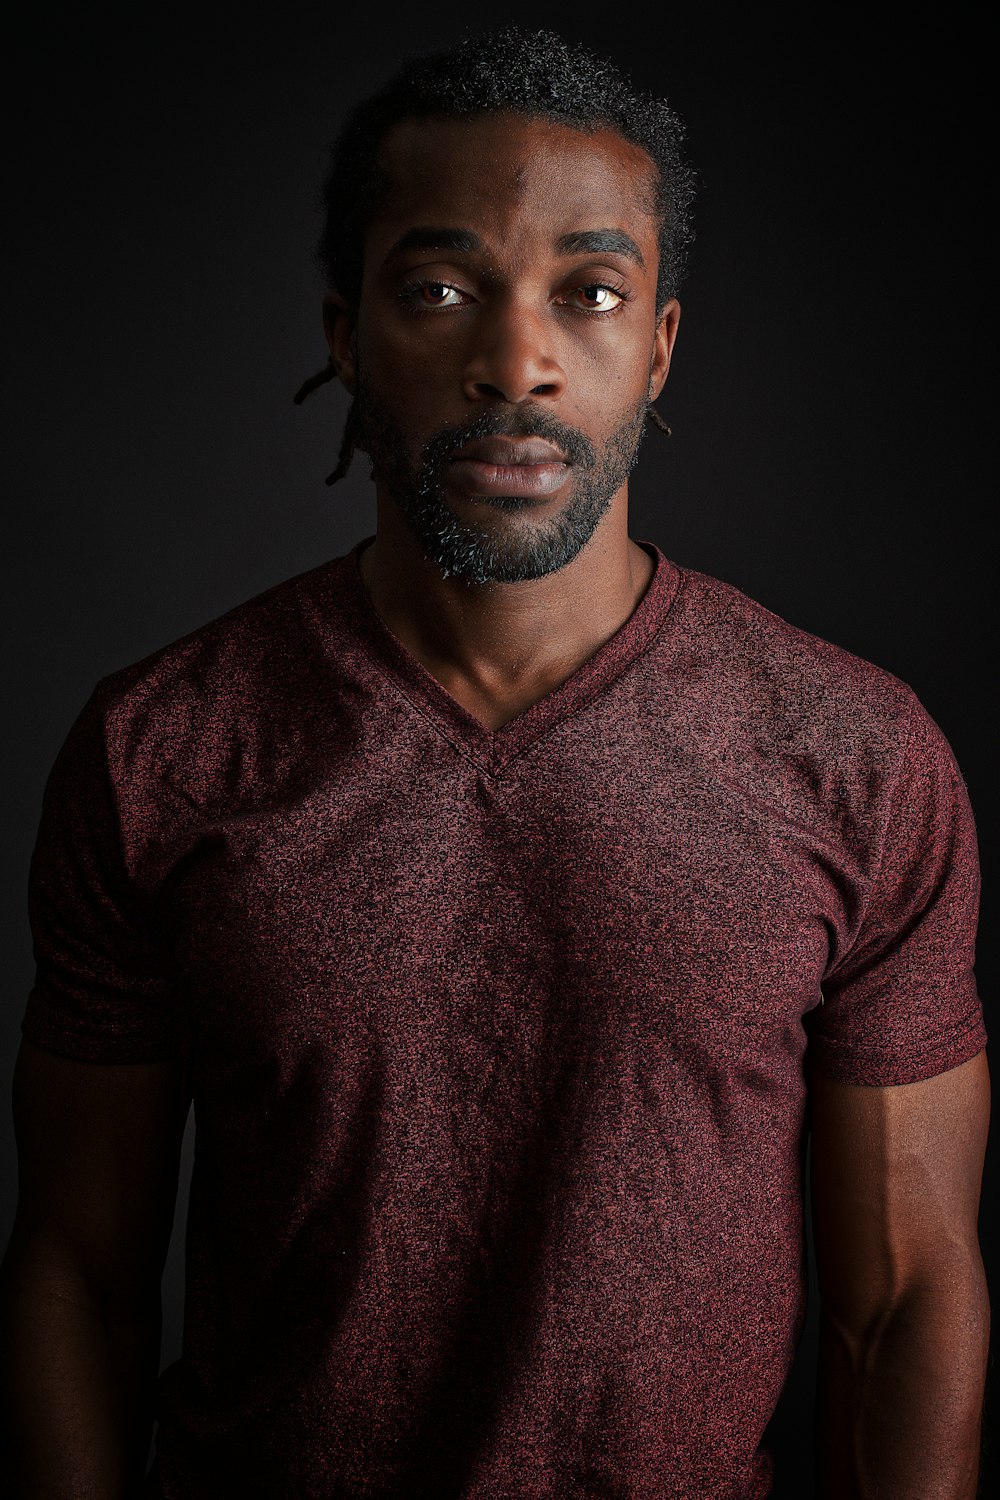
423,294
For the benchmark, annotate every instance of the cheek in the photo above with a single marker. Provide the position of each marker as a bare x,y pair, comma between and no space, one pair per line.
414,375
608,383
402,347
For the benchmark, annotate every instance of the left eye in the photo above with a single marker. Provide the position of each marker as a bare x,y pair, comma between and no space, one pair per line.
599,298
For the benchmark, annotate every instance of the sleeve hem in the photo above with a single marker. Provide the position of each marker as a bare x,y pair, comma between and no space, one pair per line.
844,1064
52,1036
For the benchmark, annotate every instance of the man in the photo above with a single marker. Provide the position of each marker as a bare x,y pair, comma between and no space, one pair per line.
512,901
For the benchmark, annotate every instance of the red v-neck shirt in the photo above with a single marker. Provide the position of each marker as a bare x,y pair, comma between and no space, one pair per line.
499,1040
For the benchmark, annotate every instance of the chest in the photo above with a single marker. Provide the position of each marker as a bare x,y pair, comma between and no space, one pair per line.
462,907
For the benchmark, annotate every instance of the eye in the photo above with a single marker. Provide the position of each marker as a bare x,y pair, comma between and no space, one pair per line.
599,297
423,294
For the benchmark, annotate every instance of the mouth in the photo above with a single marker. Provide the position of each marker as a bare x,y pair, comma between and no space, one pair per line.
509,466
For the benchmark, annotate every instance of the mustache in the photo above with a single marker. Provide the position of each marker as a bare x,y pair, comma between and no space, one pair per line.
521,422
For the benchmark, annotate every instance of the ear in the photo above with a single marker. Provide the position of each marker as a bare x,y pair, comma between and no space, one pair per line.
663,346
341,337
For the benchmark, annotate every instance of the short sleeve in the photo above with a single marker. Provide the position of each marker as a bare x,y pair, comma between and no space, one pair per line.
901,1004
102,990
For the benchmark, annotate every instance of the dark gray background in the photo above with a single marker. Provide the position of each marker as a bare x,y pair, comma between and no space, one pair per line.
829,394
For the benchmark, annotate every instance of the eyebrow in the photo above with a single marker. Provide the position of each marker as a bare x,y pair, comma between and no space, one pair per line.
601,242
580,242
436,239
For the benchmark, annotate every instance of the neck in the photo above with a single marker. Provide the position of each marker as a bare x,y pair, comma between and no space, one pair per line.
503,637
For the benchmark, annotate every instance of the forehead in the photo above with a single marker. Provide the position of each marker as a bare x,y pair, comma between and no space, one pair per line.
504,174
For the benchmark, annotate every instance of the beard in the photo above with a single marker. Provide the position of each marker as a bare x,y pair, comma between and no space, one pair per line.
481,553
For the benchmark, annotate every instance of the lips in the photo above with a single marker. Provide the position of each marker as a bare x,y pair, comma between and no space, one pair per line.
507,466
510,452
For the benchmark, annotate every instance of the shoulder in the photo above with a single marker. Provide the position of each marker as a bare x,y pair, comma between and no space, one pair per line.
784,681
205,706
812,729
252,639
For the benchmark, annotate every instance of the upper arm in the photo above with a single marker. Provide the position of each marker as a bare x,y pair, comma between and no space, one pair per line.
98,1157
896,1178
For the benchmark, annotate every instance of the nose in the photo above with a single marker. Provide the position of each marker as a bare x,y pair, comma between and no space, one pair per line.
512,357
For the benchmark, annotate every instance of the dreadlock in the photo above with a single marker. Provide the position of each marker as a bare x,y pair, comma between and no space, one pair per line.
349,435
315,381
534,73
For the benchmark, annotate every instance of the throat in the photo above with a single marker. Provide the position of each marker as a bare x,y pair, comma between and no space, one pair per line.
496,707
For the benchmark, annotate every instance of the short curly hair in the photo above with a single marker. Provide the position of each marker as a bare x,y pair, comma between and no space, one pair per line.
534,73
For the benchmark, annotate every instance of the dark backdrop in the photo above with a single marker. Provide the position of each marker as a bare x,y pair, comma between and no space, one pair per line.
828,394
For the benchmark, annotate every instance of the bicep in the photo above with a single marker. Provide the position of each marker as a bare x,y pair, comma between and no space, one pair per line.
98,1157
896,1178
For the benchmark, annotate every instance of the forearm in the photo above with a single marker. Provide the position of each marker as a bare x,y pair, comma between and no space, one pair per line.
900,1406
79,1374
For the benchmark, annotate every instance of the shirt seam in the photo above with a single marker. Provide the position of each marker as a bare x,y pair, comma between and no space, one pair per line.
876,876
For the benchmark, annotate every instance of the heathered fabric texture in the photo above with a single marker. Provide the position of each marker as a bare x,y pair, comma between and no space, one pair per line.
499,1039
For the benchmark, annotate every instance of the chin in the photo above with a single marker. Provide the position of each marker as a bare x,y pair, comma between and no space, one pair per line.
483,551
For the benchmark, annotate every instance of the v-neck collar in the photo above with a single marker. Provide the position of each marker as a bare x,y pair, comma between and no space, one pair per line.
493,749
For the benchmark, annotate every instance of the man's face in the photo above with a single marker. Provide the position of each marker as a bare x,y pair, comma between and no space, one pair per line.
506,343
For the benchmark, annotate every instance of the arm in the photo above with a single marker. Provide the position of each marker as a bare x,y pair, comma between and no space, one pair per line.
904,1315
98,1151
